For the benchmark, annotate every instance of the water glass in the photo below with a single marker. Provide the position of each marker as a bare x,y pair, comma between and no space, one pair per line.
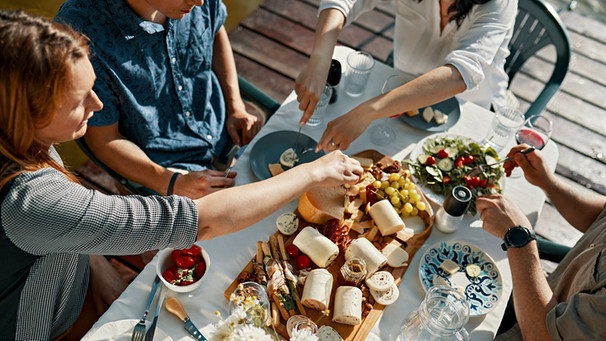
359,65
442,315
316,117
299,323
503,127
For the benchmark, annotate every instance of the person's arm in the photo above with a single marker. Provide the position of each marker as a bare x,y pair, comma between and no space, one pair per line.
241,126
532,296
231,210
128,160
311,81
432,87
579,209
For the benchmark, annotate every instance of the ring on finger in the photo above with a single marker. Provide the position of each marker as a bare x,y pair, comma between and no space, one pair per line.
333,144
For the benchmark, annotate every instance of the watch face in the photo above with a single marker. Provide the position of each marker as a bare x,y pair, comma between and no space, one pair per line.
518,237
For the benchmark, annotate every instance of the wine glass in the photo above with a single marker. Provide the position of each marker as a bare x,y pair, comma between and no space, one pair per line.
383,134
252,299
535,132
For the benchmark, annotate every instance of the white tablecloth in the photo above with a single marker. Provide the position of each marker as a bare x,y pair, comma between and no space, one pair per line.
229,254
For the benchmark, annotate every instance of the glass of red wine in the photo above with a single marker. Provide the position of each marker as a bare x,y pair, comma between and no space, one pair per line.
535,132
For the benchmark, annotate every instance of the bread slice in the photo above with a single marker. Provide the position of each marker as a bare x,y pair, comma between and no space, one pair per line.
321,204
275,169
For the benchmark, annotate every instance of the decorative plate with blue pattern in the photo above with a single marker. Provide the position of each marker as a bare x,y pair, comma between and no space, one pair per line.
483,292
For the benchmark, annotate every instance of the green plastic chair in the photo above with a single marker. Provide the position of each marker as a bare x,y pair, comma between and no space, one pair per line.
537,26
248,91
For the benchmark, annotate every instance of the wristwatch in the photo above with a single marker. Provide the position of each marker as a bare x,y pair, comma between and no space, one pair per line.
517,236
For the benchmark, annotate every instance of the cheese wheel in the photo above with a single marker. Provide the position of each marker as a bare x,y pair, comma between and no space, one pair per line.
328,333
386,218
317,289
321,250
380,281
386,297
287,223
321,204
364,249
348,305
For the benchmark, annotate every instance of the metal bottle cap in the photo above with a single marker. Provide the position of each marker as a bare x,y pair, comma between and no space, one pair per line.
458,200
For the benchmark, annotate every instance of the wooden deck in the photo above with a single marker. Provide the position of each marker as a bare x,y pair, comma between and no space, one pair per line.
272,45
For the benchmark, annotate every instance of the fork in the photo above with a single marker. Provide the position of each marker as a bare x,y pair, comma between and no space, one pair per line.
139,330
480,168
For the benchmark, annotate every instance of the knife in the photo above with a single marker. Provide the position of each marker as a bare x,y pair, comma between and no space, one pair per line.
149,335
174,306
152,294
231,159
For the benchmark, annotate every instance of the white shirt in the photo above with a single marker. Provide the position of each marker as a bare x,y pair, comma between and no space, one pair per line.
478,48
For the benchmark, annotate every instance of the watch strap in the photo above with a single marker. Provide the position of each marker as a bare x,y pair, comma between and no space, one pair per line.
506,242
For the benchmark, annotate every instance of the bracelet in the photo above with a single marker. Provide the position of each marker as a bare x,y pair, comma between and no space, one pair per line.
171,183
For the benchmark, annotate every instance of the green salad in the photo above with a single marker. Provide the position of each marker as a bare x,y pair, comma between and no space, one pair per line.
446,162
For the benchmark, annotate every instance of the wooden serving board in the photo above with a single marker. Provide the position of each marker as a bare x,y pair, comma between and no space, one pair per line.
373,311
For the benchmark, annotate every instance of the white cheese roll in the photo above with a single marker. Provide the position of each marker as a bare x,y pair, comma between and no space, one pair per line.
320,249
386,218
317,289
348,305
364,249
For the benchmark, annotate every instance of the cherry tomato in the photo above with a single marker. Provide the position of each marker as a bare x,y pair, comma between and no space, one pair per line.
442,154
185,282
292,250
469,159
200,269
483,183
471,181
176,254
446,180
303,262
193,251
430,160
171,274
459,162
185,262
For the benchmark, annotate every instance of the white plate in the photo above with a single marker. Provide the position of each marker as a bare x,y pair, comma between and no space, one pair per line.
436,198
121,330
483,292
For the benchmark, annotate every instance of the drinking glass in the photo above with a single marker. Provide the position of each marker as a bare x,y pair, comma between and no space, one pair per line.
383,134
503,127
316,117
299,323
442,315
252,298
535,132
359,64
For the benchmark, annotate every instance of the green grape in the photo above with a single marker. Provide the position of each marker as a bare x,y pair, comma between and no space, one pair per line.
394,177
420,206
415,197
376,184
404,192
408,207
395,184
390,191
384,184
414,211
395,200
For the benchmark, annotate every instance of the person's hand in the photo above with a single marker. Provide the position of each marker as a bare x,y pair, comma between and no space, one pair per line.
105,283
535,169
243,126
195,185
498,214
335,169
343,130
310,84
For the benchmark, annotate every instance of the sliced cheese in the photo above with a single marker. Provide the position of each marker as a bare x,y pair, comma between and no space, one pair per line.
439,281
473,270
386,218
317,289
411,113
428,114
386,297
275,169
380,281
321,204
439,117
364,161
328,333
396,256
288,158
321,250
348,305
287,223
364,249
449,267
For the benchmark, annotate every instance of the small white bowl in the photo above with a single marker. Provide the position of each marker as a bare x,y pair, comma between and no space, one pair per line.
165,261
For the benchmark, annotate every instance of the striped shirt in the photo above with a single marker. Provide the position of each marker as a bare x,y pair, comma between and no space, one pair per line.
49,226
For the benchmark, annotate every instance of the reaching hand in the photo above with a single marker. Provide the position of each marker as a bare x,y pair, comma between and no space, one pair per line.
195,185
335,169
342,131
498,214
310,84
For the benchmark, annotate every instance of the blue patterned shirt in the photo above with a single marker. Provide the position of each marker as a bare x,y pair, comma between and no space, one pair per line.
156,80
